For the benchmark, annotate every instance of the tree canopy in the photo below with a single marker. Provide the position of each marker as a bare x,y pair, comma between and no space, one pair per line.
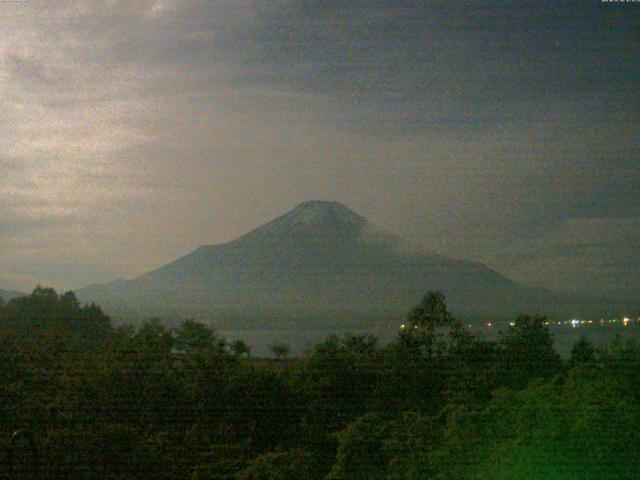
180,402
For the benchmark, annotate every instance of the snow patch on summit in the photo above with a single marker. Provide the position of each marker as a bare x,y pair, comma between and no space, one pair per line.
318,211
317,218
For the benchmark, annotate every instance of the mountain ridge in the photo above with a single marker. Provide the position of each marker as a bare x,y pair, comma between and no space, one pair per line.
322,257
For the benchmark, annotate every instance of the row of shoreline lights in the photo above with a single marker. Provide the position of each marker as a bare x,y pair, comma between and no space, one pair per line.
574,323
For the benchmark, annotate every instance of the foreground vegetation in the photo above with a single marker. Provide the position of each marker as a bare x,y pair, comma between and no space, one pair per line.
182,403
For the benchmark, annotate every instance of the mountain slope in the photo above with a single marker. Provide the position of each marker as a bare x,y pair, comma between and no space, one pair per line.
319,259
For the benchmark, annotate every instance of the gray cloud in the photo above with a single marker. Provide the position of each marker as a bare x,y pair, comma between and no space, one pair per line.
133,132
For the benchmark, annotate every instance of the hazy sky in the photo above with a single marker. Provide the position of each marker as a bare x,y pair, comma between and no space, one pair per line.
505,132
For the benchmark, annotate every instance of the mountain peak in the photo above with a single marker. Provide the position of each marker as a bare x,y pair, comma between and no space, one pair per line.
318,218
322,210
319,204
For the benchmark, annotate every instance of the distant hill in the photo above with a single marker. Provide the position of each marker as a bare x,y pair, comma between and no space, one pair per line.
321,260
7,295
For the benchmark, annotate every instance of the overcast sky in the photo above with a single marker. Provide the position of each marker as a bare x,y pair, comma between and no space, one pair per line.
133,132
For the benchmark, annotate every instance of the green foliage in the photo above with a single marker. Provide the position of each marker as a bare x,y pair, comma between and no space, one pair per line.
192,335
431,312
261,409
280,350
337,380
220,461
437,403
575,426
412,438
48,317
280,465
361,454
239,348
430,327
582,353
527,352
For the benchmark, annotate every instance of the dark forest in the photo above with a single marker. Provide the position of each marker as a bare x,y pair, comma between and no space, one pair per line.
81,398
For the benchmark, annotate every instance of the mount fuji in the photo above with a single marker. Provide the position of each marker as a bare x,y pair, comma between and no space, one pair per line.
321,259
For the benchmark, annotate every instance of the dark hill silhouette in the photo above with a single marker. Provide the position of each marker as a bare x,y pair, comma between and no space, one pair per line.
321,258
